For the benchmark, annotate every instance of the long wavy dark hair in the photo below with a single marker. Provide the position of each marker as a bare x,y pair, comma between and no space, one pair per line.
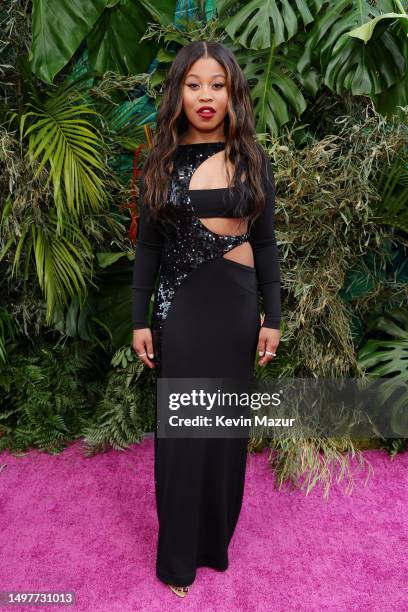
241,146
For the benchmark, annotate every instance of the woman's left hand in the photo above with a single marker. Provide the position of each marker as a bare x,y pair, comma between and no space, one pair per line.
267,344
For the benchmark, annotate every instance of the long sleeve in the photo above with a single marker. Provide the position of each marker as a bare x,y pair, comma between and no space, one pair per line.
266,257
148,253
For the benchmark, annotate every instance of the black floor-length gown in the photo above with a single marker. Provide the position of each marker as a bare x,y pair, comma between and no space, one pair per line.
205,323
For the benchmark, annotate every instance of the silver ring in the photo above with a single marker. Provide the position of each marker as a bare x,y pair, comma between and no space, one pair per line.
269,353
141,354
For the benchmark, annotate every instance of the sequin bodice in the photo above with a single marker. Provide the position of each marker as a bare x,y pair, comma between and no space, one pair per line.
189,243
166,254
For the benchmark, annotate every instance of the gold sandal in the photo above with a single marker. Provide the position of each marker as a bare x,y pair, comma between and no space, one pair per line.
180,591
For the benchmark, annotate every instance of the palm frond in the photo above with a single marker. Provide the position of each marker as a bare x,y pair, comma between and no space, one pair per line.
63,258
62,139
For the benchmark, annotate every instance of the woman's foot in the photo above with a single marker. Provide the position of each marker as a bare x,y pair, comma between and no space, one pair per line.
180,591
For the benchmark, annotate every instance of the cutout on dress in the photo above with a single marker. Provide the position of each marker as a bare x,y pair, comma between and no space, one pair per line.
216,172
242,254
213,173
225,226
222,226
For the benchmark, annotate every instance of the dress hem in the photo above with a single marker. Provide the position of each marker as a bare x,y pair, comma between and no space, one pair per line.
188,579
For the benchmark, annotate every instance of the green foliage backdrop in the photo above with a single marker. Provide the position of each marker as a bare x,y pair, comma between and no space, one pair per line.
80,84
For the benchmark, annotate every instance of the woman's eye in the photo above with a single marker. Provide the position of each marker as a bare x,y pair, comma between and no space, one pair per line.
216,85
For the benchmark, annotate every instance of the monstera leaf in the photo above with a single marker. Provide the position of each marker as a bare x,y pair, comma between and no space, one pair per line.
273,86
366,31
388,359
260,24
114,43
58,28
347,63
112,28
389,101
282,60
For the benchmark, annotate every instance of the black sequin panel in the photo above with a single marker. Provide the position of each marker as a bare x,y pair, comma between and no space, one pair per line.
189,243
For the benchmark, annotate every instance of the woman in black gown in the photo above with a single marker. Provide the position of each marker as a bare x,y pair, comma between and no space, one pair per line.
206,248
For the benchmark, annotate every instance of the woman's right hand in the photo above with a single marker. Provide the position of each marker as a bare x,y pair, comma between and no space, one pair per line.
142,344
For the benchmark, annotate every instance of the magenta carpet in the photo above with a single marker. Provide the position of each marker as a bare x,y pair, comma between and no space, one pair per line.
89,525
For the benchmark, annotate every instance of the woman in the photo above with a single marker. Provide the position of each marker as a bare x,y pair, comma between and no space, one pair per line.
212,238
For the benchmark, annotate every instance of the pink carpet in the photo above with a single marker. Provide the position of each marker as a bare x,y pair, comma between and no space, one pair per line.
89,525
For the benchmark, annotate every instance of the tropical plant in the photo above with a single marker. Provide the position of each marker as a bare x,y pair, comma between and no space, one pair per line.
287,52
387,359
8,332
63,258
48,395
339,47
111,28
64,183
67,182
61,136
306,462
393,187
126,411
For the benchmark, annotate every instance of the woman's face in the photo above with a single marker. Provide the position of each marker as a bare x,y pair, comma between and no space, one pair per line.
205,87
